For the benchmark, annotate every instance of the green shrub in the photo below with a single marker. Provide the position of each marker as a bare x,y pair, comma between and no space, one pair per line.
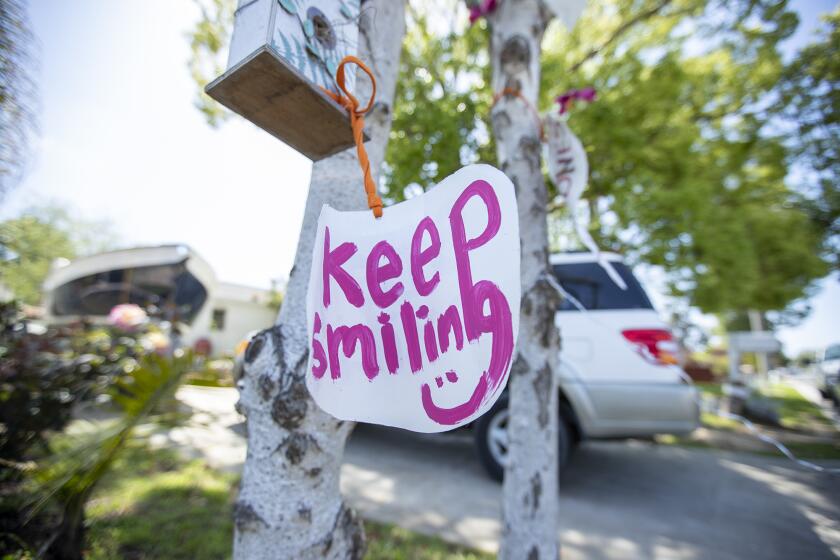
44,378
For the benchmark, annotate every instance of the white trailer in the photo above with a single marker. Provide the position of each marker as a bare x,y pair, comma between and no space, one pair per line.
171,280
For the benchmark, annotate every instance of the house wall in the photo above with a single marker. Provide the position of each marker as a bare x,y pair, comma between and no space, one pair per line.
240,319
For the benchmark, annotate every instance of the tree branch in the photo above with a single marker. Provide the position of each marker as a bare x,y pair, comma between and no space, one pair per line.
621,30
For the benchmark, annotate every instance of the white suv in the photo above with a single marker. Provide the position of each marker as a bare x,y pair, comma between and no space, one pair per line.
619,376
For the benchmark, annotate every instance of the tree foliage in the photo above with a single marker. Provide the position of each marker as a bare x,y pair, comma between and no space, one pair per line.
441,118
17,91
810,99
30,243
711,155
689,169
208,43
688,153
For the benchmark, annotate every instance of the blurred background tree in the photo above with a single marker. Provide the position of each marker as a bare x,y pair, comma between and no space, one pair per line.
30,243
690,162
442,113
810,100
209,41
17,92
692,142
713,149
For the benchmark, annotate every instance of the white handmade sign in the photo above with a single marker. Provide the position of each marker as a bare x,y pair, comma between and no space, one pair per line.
413,317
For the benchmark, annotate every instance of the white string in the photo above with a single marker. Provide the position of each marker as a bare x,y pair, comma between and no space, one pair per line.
571,298
777,444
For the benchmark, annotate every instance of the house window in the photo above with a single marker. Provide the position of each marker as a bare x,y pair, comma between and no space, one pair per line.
218,322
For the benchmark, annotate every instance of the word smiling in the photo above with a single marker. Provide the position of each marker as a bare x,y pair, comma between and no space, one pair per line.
485,308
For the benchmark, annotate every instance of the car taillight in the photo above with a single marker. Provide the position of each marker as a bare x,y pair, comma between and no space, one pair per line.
655,345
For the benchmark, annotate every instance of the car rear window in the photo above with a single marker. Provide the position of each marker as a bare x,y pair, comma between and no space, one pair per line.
589,284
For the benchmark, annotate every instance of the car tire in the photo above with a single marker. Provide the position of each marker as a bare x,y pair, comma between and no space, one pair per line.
490,441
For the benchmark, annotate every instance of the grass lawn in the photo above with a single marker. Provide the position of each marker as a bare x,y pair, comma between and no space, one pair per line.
157,505
716,422
795,411
713,421
814,451
711,389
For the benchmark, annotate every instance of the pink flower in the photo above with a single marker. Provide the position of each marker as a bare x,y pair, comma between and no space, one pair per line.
127,316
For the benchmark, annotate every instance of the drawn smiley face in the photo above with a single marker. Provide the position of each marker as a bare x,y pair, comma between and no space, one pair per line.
497,323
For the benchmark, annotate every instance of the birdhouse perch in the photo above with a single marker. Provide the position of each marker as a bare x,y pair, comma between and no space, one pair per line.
282,53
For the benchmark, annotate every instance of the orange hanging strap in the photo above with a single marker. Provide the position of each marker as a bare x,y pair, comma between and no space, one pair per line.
516,93
357,123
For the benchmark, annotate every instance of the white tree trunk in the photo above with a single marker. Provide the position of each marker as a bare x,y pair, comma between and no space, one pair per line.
290,504
530,507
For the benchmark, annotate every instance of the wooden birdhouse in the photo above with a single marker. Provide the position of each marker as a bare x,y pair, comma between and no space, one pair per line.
282,53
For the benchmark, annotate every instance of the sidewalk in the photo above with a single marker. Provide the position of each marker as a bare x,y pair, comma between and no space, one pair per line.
618,500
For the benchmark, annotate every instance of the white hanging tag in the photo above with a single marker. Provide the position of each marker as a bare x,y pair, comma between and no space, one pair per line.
569,169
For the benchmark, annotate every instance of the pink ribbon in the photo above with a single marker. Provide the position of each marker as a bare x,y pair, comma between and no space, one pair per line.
566,100
481,8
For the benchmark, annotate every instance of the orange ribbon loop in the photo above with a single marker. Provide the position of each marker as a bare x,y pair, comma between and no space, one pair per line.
357,124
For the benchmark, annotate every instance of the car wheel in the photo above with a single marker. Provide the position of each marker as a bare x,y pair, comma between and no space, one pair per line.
491,438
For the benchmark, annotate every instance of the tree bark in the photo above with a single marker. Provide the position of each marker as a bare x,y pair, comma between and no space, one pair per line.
290,504
530,502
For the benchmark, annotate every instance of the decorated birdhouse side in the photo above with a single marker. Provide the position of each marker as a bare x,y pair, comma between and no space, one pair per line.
283,55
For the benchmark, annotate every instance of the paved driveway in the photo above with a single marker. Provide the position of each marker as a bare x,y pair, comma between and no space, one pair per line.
618,500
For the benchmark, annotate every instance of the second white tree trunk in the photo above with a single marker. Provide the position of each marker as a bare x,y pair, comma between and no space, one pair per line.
530,508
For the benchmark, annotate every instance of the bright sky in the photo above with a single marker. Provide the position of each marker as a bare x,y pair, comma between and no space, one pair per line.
121,140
